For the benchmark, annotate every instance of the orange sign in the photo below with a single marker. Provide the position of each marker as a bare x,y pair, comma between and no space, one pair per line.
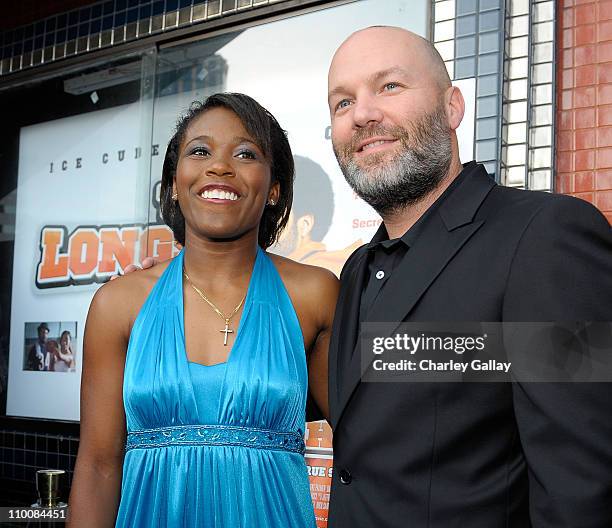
92,254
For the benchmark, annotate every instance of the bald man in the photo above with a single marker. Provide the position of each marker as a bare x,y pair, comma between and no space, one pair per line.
455,246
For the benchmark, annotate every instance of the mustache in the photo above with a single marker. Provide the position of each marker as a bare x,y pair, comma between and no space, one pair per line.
366,133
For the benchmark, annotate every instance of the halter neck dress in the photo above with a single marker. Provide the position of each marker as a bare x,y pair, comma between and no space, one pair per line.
216,446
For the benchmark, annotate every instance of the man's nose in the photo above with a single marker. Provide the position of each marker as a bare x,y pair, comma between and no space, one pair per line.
366,112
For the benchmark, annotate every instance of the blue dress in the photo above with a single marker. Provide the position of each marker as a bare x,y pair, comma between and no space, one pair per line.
220,446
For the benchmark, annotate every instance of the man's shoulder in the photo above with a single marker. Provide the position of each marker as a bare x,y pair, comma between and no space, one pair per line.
524,206
353,258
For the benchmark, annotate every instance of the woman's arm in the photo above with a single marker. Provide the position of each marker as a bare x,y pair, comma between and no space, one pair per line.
96,487
65,357
324,295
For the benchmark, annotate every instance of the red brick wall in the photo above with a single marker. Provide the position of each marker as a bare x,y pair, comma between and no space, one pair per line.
584,101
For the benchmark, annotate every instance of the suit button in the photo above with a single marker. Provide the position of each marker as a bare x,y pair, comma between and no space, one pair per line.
345,477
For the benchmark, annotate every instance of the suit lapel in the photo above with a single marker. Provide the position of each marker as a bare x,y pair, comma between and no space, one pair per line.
443,235
346,326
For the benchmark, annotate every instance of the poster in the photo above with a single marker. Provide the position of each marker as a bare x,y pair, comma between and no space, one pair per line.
88,185
88,192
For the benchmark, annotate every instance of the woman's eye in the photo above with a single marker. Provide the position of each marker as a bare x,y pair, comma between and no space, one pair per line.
391,85
199,151
246,154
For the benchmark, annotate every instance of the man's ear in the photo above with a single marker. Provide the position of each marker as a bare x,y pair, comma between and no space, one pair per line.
455,107
304,225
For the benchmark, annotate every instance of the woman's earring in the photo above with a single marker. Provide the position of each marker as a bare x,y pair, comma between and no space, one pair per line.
175,197
271,203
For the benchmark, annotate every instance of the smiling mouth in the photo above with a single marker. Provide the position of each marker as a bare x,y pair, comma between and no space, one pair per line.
219,195
376,145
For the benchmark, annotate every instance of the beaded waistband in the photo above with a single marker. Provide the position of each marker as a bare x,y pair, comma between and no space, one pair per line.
215,435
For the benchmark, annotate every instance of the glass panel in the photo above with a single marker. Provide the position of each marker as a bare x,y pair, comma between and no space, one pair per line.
488,64
519,47
490,4
542,115
542,73
444,30
540,180
445,10
543,12
543,52
446,49
540,136
543,32
465,68
519,26
540,158
466,6
489,20
487,128
518,68
515,176
486,106
488,85
517,133
465,46
541,94
488,42
76,185
486,150
519,7
518,90
466,25
517,112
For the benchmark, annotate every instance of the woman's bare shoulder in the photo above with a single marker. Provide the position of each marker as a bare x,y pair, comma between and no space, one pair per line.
125,295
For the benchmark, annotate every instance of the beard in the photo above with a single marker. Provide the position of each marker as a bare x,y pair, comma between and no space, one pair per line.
423,161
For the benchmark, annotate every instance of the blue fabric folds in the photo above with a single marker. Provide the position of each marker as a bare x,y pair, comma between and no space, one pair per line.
220,446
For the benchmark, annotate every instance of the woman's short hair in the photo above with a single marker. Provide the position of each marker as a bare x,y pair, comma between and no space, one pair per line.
269,137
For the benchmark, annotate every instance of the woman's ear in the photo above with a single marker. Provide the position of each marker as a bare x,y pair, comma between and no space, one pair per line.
274,194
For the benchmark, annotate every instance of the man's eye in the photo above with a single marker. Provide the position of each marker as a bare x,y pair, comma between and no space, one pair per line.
391,85
343,104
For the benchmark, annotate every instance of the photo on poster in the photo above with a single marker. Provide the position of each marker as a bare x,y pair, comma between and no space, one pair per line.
50,347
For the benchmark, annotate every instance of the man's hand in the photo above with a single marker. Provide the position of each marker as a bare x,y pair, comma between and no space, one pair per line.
147,263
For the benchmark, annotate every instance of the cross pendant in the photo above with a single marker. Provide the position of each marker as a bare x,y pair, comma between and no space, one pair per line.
226,331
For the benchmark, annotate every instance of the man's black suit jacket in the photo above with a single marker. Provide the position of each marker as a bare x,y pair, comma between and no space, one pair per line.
478,455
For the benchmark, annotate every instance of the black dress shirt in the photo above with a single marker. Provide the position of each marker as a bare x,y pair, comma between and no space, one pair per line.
384,255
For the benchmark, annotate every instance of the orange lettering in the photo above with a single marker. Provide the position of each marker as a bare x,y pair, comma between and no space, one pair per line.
157,242
83,252
53,264
115,249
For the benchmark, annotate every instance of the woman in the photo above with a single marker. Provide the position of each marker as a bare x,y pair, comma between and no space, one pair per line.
52,349
63,356
214,409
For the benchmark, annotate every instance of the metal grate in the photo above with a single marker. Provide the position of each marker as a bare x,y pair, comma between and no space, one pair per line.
469,35
527,133
107,23
22,454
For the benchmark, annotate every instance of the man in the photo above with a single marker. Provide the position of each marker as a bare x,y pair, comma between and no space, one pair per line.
310,219
454,246
38,358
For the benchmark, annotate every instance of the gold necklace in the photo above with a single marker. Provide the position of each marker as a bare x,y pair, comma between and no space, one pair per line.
226,318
